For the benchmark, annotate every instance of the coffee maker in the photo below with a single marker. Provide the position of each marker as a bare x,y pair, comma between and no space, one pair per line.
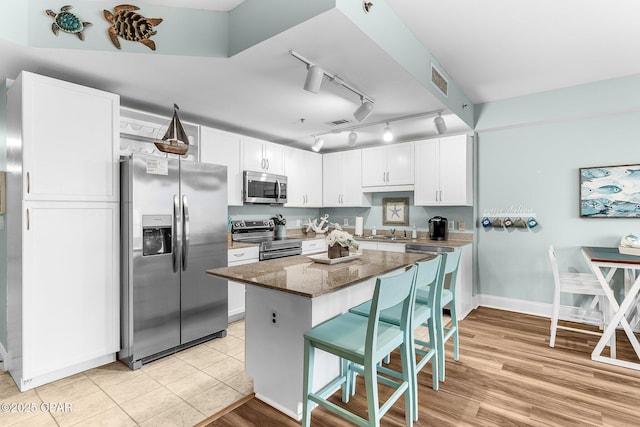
438,228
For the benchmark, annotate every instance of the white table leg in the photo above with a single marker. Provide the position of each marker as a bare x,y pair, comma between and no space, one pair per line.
618,318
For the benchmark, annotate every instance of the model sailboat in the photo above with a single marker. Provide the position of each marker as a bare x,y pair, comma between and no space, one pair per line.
175,140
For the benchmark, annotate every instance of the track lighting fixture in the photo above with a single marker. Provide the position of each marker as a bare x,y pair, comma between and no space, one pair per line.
441,126
387,135
314,79
353,137
364,110
317,145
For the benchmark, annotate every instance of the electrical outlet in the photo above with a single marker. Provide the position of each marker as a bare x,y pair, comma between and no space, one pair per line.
275,321
298,223
346,221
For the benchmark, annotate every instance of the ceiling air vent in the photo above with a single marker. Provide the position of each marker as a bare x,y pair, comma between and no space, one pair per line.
439,81
339,122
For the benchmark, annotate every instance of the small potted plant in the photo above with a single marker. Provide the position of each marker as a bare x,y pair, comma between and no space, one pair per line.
280,225
339,242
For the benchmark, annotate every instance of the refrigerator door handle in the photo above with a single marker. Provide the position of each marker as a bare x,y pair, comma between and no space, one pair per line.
185,232
174,240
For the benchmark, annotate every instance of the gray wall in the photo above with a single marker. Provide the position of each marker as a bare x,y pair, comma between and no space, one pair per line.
530,150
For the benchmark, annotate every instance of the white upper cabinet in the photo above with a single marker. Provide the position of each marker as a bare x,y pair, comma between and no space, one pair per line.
304,177
444,172
262,156
224,148
341,179
388,166
70,139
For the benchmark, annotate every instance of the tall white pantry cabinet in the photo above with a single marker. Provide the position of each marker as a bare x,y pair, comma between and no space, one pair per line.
62,229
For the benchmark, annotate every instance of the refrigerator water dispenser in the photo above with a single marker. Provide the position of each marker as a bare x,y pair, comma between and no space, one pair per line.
156,234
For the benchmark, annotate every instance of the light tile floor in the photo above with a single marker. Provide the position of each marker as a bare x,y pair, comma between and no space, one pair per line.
178,390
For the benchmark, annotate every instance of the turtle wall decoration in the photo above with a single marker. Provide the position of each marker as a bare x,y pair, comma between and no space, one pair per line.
130,25
67,22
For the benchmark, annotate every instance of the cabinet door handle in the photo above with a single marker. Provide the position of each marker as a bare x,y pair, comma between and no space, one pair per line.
238,255
267,160
387,177
384,179
440,195
28,222
436,195
28,183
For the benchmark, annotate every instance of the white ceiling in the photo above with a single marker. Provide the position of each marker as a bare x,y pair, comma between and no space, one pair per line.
492,49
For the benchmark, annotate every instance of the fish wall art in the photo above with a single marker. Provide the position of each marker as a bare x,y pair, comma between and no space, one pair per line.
610,191
67,22
130,25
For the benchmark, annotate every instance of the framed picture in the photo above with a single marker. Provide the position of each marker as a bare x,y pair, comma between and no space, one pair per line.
395,211
610,191
3,190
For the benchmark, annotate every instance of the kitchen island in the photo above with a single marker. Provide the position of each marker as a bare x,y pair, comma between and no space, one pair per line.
287,297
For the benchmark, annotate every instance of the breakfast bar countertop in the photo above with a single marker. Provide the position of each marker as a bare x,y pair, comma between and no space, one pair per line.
302,276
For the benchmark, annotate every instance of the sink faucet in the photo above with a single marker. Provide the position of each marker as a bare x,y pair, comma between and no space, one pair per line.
393,232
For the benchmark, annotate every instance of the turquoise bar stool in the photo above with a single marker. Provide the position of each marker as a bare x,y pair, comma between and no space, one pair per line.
446,296
365,341
428,274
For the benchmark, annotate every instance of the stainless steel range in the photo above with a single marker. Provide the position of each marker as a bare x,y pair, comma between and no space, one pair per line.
262,232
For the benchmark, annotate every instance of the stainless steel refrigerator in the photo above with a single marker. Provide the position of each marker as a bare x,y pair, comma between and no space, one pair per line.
174,228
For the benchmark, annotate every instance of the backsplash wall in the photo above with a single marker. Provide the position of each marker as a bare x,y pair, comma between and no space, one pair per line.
372,216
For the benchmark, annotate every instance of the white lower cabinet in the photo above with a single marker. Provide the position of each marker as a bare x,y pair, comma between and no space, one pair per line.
314,246
382,246
236,301
64,313
464,283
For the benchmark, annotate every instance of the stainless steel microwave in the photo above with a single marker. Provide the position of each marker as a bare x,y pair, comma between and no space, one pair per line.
264,188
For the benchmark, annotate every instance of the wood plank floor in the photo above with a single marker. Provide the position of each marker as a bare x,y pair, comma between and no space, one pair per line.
507,375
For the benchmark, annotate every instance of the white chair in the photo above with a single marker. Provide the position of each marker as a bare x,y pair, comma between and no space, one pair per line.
581,284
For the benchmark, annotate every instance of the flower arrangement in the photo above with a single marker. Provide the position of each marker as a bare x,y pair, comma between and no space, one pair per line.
340,237
279,220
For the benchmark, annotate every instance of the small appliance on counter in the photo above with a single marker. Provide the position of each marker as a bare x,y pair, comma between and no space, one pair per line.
438,228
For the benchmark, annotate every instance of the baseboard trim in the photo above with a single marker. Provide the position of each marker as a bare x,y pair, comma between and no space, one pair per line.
533,308
517,305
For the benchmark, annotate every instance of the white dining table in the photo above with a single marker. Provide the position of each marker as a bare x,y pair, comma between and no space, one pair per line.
608,260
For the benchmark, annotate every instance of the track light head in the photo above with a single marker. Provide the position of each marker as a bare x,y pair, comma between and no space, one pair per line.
441,126
353,137
387,135
314,79
317,145
364,110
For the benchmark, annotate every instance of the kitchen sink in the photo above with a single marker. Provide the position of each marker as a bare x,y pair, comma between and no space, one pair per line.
386,237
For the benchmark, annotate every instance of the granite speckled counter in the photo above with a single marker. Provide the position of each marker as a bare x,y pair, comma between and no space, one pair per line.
301,276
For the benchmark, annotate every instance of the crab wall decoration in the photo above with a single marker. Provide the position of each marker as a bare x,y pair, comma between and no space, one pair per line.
130,25
67,22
